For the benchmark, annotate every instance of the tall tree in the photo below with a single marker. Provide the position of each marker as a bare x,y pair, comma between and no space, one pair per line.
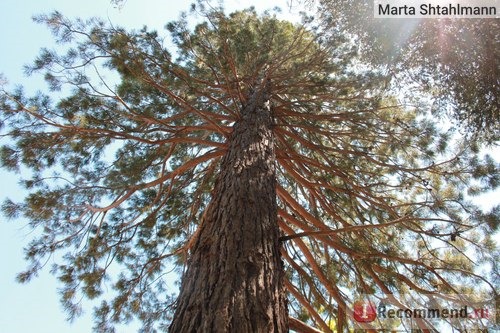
266,163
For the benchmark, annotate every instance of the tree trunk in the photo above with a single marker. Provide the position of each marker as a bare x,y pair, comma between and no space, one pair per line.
234,276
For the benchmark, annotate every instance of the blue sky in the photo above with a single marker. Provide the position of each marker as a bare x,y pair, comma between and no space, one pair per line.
35,307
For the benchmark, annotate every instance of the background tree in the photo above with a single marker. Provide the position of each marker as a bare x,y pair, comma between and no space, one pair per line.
191,164
454,60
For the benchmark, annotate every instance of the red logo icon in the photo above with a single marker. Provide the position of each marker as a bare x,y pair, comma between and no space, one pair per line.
364,311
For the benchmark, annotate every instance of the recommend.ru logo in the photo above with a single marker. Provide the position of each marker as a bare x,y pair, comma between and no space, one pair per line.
459,312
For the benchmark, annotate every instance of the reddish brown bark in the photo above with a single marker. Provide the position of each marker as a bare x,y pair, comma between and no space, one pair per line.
234,277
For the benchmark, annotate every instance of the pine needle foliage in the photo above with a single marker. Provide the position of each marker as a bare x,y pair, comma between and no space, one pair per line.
371,193
455,60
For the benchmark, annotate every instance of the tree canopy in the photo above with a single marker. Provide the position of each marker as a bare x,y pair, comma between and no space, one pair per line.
120,158
455,60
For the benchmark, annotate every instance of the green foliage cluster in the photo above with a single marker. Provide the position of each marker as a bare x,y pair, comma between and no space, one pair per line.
454,60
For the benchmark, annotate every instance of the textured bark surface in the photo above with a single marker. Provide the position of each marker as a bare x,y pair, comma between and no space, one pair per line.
234,278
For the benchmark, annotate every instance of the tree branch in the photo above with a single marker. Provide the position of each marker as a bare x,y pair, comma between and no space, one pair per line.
301,327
